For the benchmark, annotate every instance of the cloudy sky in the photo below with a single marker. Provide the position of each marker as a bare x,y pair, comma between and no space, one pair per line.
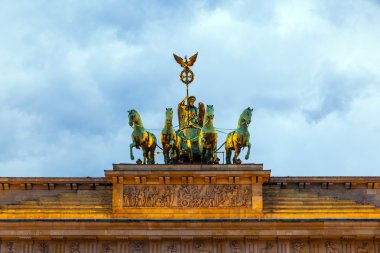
69,71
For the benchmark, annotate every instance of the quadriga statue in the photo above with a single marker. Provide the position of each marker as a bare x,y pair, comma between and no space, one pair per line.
170,140
141,138
239,138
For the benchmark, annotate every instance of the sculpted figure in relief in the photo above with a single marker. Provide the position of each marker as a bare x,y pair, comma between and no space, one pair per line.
11,248
172,248
268,248
235,248
74,248
138,247
107,248
363,248
330,247
44,247
298,247
200,247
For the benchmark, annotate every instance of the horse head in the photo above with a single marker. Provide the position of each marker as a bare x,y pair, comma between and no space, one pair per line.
209,114
133,117
245,117
169,116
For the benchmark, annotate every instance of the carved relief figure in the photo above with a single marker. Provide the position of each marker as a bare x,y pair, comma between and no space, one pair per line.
107,248
363,248
74,247
268,248
11,247
298,247
138,247
43,247
200,247
331,248
235,248
172,248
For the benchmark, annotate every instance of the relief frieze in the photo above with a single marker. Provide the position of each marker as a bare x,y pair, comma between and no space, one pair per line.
187,196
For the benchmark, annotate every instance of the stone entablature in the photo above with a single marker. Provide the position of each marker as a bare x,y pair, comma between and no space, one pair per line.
161,236
327,182
190,209
190,191
187,191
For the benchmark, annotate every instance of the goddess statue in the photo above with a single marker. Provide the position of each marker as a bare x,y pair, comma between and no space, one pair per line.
189,114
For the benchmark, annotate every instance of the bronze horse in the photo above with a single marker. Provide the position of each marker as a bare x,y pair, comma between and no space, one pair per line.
141,138
170,140
208,137
239,138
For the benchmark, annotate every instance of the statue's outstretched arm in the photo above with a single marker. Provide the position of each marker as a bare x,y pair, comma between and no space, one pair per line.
184,100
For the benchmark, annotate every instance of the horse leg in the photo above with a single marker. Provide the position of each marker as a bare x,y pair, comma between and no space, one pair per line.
248,151
145,154
201,149
228,155
237,153
209,156
204,155
176,151
165,152
167,156
214,154
171,151
190,150
133,144
177,154
151,154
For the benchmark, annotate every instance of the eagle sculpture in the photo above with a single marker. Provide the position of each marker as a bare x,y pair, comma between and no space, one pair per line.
186,64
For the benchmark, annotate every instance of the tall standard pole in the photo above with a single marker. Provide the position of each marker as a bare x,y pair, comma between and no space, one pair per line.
186,76
188,111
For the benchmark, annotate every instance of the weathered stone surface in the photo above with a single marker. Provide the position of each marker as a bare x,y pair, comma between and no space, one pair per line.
190,208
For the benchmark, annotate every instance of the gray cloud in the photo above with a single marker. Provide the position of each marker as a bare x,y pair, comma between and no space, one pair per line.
69,71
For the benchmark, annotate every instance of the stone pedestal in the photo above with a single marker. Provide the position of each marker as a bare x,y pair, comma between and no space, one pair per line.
187,191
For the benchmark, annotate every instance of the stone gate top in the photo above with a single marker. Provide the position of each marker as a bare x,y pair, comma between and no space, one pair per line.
187,191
